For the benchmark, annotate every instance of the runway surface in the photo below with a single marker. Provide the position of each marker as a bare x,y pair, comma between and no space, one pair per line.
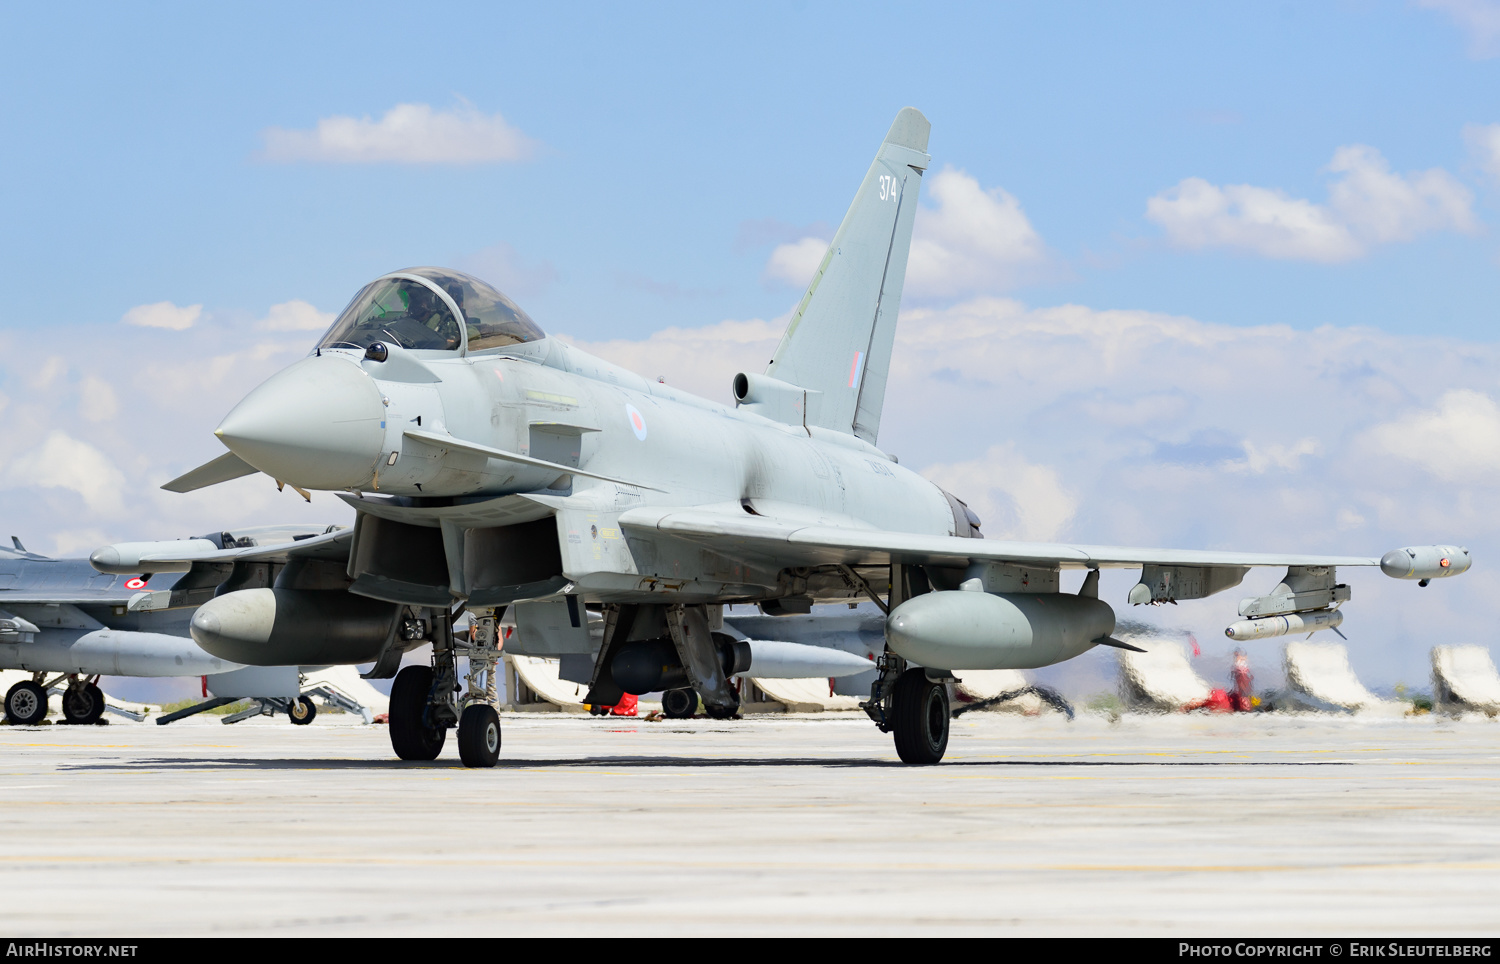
1244,826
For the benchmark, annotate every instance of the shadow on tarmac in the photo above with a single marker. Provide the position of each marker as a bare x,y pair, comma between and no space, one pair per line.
641,762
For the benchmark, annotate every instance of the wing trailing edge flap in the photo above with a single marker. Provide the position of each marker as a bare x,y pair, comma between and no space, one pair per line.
824,545
222,469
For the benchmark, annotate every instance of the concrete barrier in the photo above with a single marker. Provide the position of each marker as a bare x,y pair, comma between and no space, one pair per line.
1464,679
1318,677
1160,678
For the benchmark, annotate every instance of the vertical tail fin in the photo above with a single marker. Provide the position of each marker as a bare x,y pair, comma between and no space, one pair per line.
840,337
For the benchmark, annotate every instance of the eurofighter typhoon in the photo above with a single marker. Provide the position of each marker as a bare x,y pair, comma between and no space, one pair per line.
491,466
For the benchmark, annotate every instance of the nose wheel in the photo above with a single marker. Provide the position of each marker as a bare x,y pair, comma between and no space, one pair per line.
479,736
413,736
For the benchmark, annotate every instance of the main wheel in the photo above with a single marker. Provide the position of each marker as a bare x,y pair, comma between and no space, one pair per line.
479,736
301,711
83,704
920,716
679,704
412,737
722,712
25,704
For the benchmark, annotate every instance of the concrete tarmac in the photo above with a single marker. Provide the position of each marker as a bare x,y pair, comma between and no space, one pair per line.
1185,825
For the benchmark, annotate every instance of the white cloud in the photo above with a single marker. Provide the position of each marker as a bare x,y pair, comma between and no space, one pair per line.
96,400
1262,458
702,361
64,462
77,469
1379,206
1480,19
41,377
502,266
1121,427
1458,441
405,134
163,314
1014,498
1367,205
796,261
1484,145
295,316
1115,427
971,240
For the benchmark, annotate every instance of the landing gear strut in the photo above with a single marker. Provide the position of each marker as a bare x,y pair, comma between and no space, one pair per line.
425,701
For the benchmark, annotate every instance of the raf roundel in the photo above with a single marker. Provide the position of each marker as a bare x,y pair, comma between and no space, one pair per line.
637,422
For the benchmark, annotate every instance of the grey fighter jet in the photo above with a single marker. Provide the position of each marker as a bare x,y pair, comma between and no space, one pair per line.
491,466
68,624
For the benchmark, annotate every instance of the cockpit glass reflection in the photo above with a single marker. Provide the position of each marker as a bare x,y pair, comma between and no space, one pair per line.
397,310
493,320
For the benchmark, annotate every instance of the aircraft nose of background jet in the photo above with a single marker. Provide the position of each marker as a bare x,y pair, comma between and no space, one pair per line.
318,424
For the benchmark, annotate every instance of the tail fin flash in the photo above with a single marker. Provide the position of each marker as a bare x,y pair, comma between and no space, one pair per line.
840,337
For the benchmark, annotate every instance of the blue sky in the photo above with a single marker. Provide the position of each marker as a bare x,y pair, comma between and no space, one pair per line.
133,172
1206,275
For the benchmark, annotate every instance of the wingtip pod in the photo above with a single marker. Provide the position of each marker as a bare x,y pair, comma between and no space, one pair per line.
910,129
1425,562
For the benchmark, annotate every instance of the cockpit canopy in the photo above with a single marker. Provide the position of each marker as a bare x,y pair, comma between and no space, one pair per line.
431,309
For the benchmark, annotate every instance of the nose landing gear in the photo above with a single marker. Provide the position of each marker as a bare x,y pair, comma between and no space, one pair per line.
425,702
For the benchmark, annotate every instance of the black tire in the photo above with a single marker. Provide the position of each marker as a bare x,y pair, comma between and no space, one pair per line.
722,712
479,736
679,704
920,715
25,704
412,737
301,711
83,705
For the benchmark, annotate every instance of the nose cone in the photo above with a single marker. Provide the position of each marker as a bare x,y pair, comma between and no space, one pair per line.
319,424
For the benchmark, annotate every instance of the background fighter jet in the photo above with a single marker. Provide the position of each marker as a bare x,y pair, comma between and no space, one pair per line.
59,618
491,466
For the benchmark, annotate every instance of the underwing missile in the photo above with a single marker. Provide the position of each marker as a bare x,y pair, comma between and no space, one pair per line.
1283,625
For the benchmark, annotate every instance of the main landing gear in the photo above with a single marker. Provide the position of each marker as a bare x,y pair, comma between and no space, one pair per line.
425,701
82,700
911,704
